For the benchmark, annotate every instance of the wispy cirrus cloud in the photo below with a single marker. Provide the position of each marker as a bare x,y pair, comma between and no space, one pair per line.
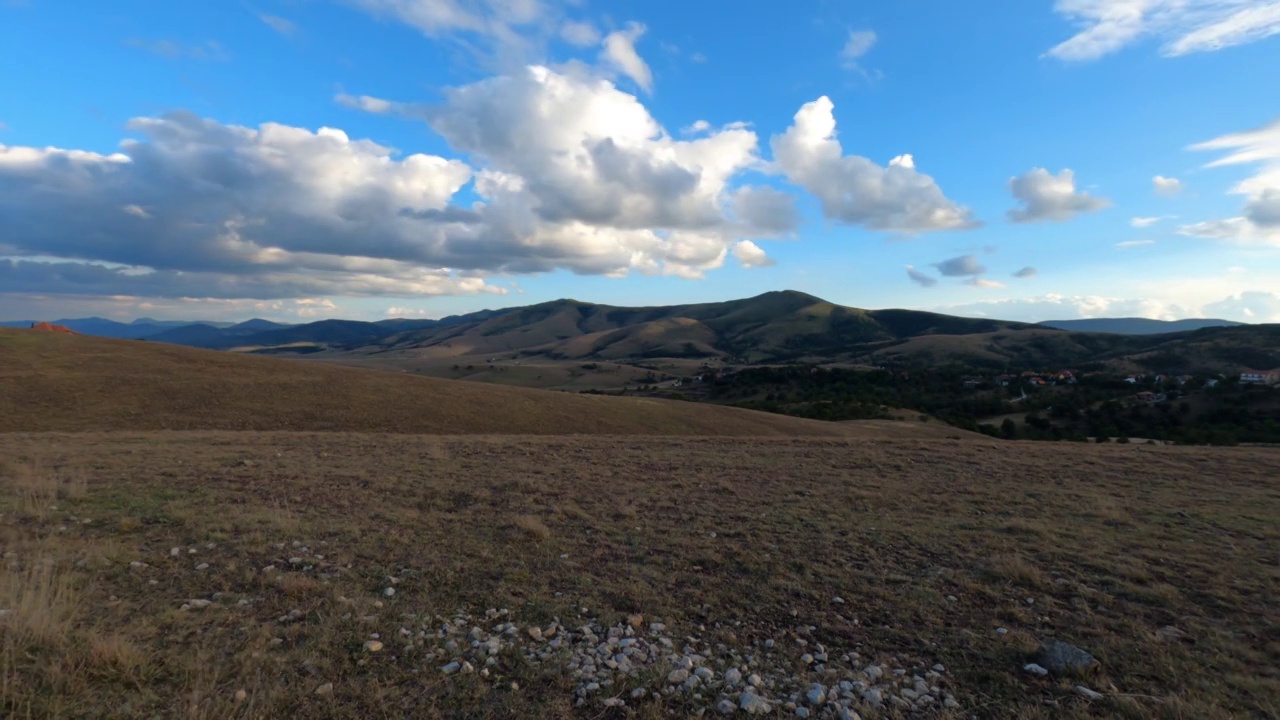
1184,26
1259,221
284,26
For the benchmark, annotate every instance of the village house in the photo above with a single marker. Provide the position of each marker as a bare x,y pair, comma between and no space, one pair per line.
1260,377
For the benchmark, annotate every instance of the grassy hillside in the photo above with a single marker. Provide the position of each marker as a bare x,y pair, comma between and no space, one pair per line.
248,575
50,381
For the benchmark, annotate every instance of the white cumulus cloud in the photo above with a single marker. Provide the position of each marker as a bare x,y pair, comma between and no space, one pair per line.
750,254
1166,186
1045,196
856,191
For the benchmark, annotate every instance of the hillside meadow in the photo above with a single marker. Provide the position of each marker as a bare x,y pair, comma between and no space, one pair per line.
195,534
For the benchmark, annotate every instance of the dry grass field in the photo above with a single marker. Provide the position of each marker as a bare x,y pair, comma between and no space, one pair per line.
167,552
51,381
1162,562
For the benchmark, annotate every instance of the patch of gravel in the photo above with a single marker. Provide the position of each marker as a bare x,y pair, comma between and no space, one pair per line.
636,661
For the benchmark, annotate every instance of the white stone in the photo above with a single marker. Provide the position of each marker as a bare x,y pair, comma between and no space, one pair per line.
726,707
817,694
373,646
678,676
733,676
753,704
1091,694
451,668
389,592
1035,669
199,604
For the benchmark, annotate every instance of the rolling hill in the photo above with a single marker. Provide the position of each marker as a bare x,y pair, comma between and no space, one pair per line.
56,382
1137,326
776,327
102,327
783,327
773,327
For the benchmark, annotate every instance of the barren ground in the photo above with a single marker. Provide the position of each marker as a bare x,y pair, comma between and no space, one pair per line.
932,545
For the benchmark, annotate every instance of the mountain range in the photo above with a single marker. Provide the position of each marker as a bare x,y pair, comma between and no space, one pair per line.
784,326
1138,326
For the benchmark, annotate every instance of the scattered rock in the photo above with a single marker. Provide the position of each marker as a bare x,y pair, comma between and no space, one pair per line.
373,646
535,632
451,668
1169,633
199,604
202,566
325,690
817,694
1001,631
753,704
678,676
732,676
1035,669
389,592
1091,694
1061,657
241,695
726,707
635,621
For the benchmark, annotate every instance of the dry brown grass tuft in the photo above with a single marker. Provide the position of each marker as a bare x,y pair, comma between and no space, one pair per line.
574,511
114,654
1017,569
39,488
39,599
533,528
296,585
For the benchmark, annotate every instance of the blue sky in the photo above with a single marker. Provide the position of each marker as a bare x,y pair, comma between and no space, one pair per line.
296,159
